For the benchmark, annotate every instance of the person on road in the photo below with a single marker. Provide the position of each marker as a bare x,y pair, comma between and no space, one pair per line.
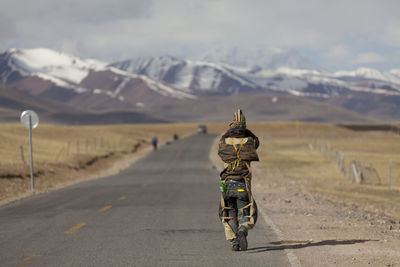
238,210
154,141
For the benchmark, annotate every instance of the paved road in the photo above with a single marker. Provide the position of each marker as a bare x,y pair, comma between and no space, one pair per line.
162,211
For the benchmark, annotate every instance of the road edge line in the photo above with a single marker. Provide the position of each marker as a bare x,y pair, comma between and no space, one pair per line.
293,260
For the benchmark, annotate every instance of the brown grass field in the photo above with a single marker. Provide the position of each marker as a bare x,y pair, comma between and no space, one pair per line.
66,154
53,143
63,154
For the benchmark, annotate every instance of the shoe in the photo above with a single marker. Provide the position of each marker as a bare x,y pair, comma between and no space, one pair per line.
235,247
242,238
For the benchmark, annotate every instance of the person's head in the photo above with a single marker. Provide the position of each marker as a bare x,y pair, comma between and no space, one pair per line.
239,121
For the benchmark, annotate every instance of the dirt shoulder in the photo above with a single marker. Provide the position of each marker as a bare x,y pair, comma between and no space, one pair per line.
321,231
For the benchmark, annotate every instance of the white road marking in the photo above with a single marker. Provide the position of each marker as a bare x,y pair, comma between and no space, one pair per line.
293,260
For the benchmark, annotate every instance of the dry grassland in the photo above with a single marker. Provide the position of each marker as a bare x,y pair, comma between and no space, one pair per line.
63,143
289,149
63,154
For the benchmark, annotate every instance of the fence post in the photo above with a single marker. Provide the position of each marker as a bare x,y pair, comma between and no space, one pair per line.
22,154
355,174
349,172
342,167
390,174
371,170
351,176
59,153
68,145
362,174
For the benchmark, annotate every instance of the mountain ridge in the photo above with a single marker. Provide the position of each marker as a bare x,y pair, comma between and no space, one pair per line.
94,85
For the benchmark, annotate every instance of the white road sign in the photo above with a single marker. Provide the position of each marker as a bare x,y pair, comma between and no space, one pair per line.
25,118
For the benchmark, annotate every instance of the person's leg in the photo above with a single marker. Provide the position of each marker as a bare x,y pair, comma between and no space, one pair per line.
242,229
233,223
243,211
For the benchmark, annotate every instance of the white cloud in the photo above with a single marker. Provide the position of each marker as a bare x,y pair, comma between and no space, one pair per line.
365,58
69,47
391,34
8,29
336,30
345,56
338,52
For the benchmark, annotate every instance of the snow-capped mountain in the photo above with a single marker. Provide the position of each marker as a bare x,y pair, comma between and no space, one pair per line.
196,77
200,77
323,84
53,64
392,76
57,75
148,81
61,69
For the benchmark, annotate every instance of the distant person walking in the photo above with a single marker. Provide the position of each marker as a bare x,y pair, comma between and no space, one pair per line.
154,141
238,210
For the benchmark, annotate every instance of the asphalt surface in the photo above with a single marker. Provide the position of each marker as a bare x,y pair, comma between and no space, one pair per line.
161,211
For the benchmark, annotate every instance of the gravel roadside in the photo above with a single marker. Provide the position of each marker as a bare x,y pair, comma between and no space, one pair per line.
325,232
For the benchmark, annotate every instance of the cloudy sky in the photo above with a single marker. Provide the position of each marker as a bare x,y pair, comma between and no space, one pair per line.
341,34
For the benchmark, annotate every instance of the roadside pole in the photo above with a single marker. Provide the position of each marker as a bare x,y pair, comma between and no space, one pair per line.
30,150
30,120
390,174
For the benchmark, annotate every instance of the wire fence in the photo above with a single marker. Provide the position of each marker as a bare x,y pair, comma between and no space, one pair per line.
357,171
88,146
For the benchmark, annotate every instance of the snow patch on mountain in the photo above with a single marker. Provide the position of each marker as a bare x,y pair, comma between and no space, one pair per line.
165,89
59,65
323,84
60,82
186,75
157,86
68,72
373,74
395,72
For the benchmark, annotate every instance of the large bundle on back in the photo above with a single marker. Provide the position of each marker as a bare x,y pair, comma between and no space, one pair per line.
237,153
230,149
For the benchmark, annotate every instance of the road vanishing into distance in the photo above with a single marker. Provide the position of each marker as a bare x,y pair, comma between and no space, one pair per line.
161,211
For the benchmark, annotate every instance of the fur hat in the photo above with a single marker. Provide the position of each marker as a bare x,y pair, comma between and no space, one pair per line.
239,121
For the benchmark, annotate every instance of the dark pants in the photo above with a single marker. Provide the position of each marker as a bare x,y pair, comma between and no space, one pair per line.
236,197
